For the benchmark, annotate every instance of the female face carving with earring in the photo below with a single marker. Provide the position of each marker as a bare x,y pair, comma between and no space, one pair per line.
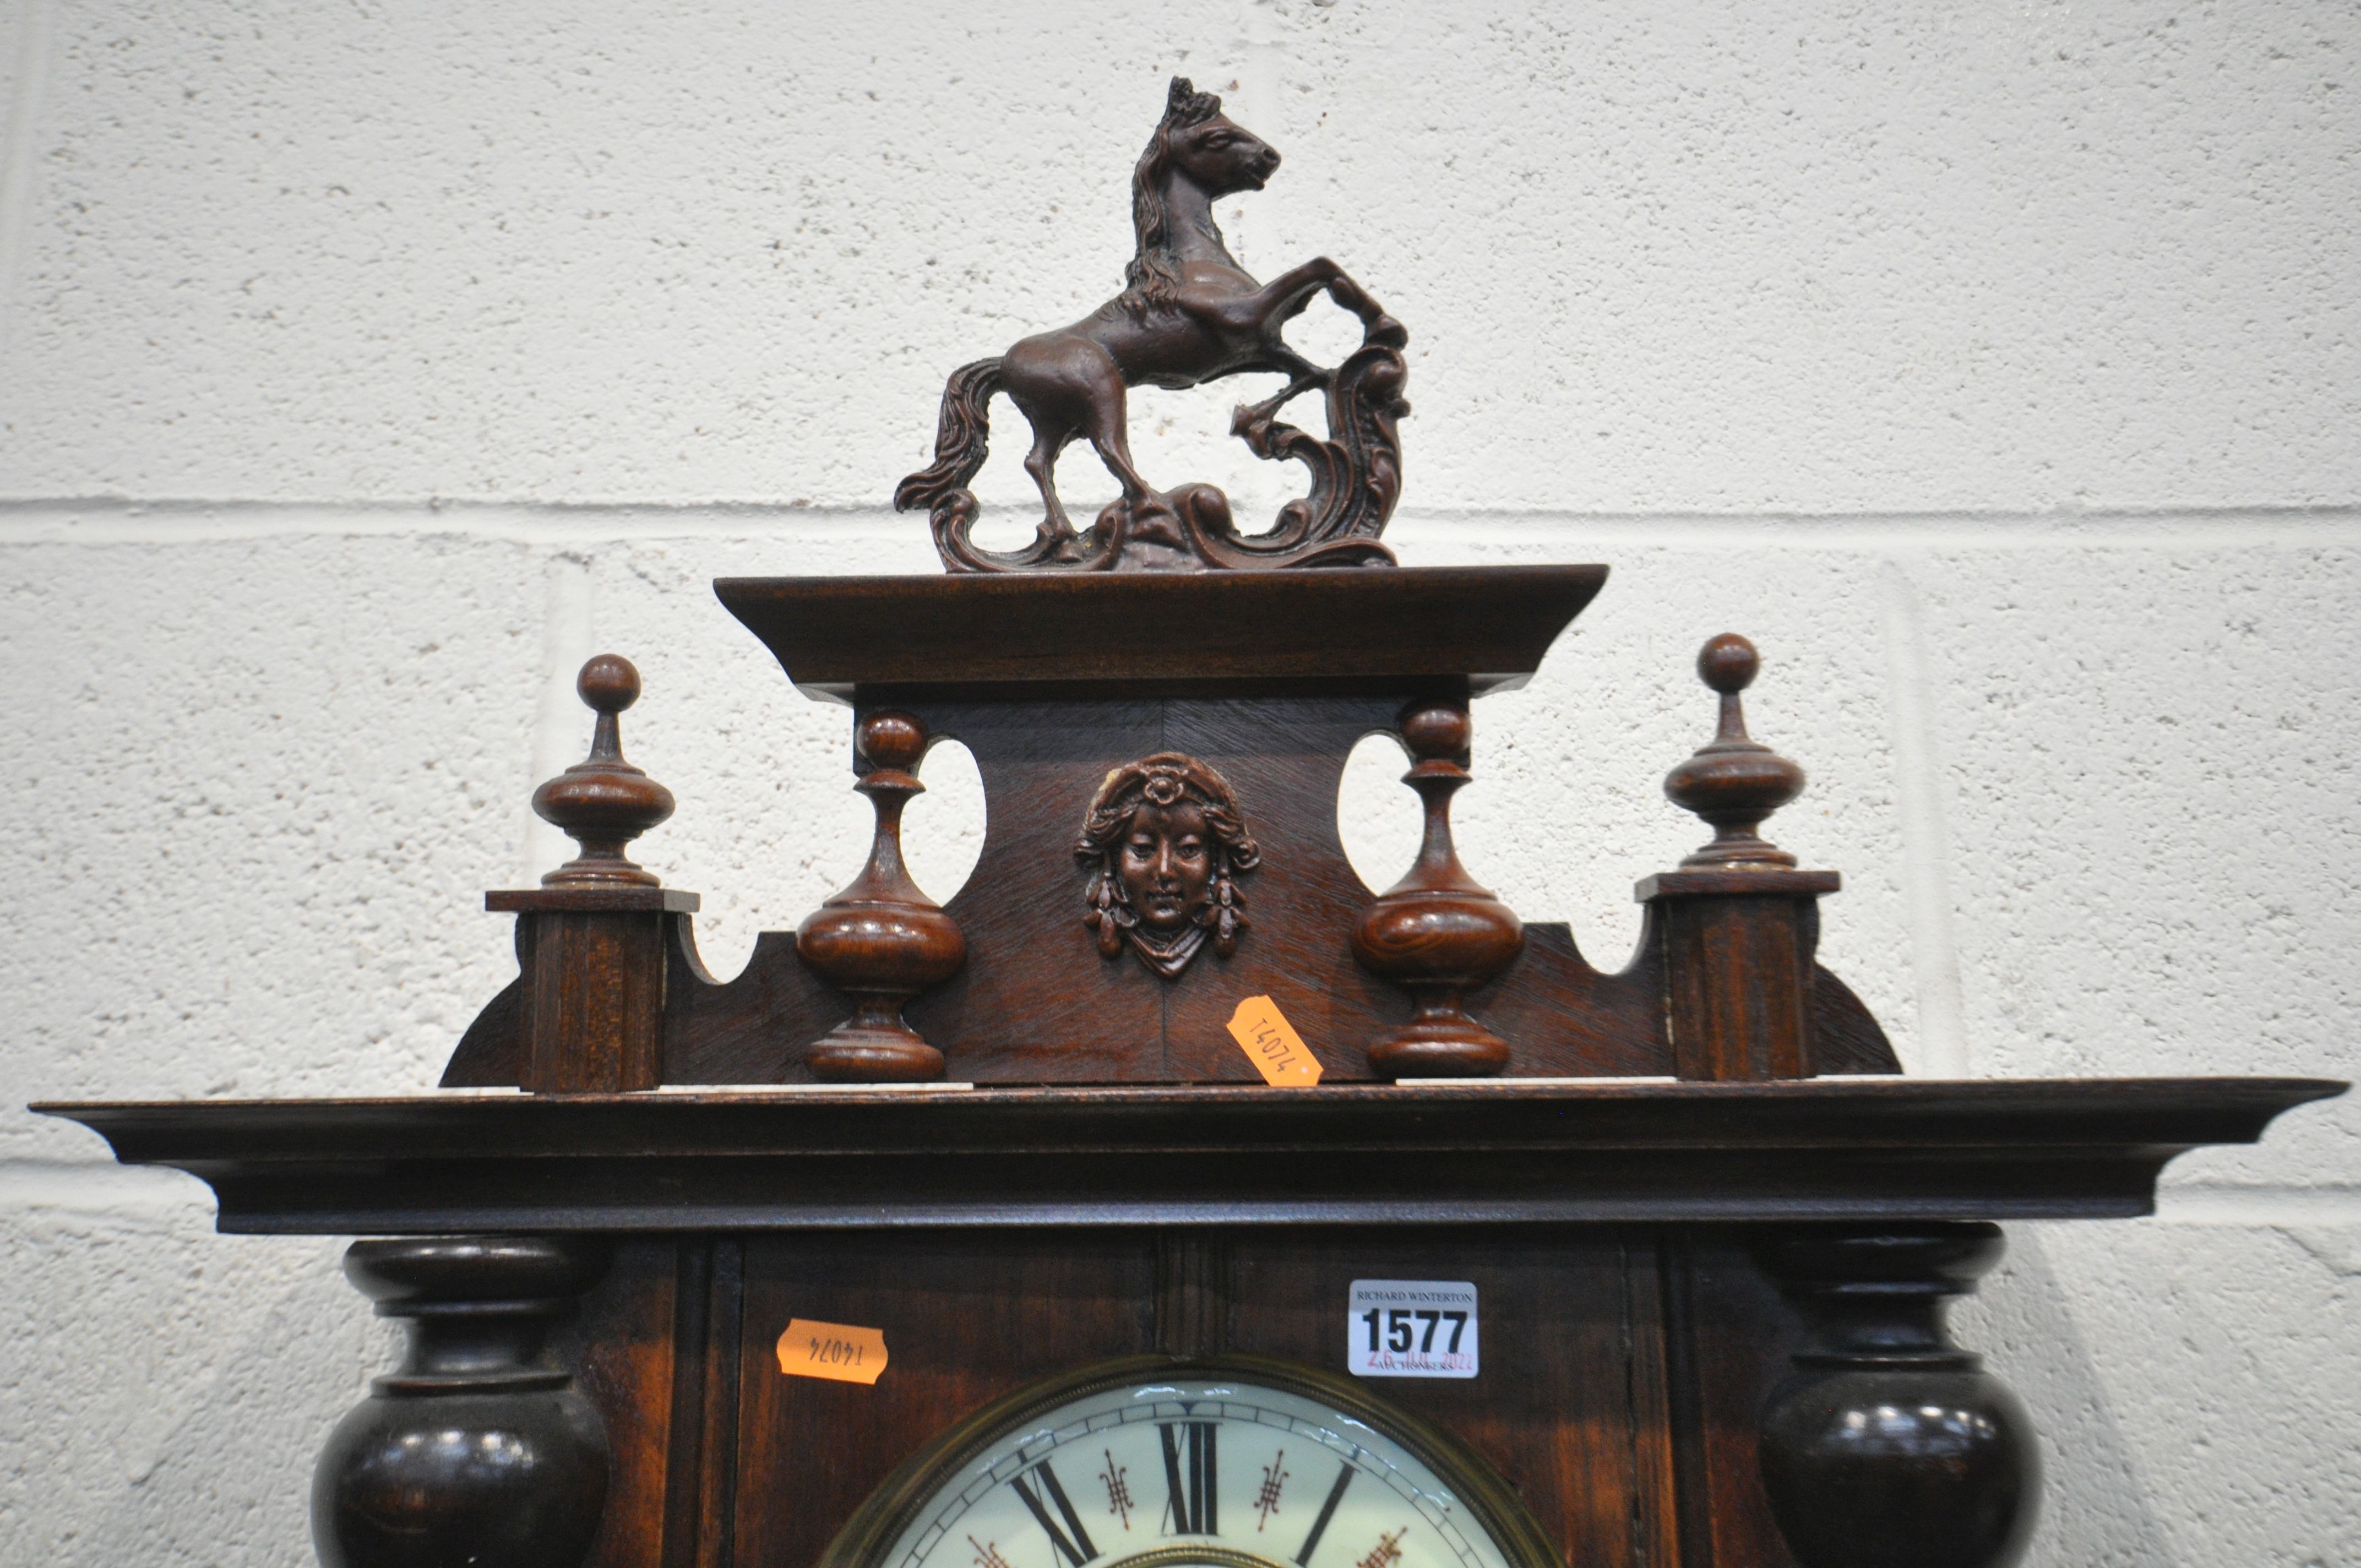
1164,840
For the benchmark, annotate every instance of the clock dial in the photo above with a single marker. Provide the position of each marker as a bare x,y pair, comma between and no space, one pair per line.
1234,1463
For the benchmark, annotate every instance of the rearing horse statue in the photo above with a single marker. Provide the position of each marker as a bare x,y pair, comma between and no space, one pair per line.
1188,313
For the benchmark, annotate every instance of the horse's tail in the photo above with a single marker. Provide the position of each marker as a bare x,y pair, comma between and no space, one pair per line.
958,437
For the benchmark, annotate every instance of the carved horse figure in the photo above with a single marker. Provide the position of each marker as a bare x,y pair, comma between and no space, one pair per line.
1188,313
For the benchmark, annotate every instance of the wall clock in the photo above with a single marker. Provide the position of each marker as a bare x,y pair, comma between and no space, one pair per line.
1230,1462
1032,1128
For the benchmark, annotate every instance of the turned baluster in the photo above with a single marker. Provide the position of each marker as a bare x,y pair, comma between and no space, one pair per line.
880,941
1437,933
473,1452
591,940
1737,925
1889,1446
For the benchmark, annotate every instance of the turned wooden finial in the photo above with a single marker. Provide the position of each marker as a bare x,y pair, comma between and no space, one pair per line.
1733,782
1437,933
603,801
880,941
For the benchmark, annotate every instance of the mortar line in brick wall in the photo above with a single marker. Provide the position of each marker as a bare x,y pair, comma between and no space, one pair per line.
556,524
18,164
2200,528
2241,1203
1474,530
92,1186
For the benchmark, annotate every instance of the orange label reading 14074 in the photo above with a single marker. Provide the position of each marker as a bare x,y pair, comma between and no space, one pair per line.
1272,1044
837,1351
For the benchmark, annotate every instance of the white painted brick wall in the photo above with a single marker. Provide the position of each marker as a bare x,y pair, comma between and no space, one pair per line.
364,368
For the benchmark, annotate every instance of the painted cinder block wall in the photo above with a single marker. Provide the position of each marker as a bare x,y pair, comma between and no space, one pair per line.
363,369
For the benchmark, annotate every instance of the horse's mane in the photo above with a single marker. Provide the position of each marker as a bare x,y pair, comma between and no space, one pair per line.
1152,278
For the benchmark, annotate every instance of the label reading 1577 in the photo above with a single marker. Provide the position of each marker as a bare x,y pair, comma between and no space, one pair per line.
1411,1328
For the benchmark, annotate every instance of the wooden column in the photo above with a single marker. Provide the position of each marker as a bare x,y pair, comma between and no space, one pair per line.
1738,924
594,961
592,939
1890,1446
473,1452
1738,948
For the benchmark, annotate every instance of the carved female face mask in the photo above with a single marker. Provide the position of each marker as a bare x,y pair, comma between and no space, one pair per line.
1166,866
1163,841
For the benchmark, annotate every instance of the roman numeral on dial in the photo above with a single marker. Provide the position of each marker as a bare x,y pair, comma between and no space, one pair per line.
1191,1483
1075,1549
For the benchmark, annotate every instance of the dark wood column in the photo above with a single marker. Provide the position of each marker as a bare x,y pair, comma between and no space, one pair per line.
1890,1446
473,1453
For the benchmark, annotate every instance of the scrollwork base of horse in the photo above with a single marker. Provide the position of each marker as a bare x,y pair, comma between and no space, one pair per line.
1188,313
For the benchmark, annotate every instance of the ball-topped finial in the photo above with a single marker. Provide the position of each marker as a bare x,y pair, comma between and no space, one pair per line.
609,683
602,801
1436,731
1733,782
1437,933
891,739
880,941
1728,664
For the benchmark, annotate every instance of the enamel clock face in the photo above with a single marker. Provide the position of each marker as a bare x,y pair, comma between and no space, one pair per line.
1223,1465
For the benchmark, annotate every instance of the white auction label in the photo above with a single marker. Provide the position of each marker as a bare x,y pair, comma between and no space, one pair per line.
1411,1328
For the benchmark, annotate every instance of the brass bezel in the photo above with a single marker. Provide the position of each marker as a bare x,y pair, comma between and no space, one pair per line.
893,1506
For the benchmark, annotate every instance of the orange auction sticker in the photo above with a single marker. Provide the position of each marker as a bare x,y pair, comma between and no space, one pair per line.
837,1351
1275,1048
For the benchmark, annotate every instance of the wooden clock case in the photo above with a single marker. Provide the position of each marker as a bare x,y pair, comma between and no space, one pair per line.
1709,1221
